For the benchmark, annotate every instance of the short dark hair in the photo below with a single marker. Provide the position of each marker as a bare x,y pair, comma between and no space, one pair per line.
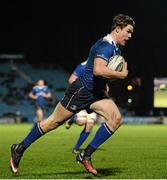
122,21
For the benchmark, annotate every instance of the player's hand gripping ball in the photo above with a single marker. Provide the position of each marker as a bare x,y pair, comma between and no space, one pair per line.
116,63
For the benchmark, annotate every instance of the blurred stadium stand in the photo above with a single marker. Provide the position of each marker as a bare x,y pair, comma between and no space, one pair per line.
16,80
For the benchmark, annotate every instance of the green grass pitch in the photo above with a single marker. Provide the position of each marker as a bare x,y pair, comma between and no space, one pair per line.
133,152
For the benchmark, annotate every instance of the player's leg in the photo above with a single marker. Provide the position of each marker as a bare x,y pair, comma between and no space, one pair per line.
70,121
58,117
79,118
108,109
90,120
39,114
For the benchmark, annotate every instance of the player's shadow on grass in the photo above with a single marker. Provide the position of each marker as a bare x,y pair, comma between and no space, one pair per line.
102,172
109,171
41,174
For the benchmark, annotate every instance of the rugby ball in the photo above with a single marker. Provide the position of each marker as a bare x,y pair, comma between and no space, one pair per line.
116,63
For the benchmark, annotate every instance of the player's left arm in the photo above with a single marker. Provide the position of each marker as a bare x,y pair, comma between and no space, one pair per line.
72,78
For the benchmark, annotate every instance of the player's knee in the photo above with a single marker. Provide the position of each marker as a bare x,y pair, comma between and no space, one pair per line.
81,121
114,123
81,118
118,121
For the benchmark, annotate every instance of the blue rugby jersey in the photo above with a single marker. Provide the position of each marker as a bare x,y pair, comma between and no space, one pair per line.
79,69
103,48
37,91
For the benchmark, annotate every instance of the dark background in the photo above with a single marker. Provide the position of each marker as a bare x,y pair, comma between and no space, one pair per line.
61,32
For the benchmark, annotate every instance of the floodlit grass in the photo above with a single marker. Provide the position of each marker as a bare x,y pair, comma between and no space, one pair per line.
134,152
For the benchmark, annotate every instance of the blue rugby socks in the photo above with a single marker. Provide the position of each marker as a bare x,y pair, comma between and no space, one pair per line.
102,134
82,138
35,133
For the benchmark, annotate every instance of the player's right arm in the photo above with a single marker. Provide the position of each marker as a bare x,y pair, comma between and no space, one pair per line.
101,69
32,96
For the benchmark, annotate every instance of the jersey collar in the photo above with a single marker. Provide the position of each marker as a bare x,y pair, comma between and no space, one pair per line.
110,39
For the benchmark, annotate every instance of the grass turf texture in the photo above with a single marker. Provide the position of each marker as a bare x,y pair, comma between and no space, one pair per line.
134,152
